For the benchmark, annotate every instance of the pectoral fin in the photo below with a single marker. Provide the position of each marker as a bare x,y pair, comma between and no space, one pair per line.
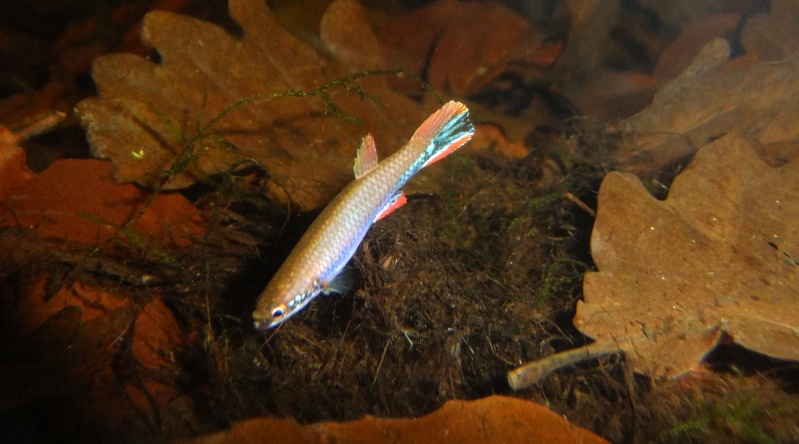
340,284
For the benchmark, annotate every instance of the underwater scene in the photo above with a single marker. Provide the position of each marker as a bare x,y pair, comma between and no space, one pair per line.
415,221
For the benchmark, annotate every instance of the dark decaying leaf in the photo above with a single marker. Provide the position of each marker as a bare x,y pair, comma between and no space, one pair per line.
146,111
91,351
63,356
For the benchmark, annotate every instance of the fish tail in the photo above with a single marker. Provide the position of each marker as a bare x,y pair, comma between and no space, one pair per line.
444,132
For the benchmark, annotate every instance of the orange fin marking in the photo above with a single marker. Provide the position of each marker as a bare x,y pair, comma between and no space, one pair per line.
366,159
448,150
398,201
430,128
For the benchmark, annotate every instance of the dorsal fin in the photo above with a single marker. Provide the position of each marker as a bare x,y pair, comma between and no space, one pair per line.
366,159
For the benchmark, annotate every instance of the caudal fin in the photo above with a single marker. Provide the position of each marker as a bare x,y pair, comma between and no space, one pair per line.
444,132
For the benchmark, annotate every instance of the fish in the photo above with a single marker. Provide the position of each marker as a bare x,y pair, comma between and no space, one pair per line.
314,266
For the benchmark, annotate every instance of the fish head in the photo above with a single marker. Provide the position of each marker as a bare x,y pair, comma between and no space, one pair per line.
279,302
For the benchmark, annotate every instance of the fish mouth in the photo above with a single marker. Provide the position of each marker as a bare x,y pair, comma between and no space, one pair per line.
260,323
263,324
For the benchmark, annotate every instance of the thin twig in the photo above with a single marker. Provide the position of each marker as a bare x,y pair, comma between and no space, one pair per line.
580,203
533,372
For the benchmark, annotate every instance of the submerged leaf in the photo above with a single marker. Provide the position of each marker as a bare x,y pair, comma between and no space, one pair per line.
491,419
60,350
721,254
74,199
719,258
150,118
430,40
710,99
773,35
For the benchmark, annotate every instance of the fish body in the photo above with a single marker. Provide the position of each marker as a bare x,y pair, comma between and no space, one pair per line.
332,239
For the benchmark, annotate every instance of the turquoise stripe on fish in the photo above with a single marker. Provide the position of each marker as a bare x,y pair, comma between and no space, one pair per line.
332,239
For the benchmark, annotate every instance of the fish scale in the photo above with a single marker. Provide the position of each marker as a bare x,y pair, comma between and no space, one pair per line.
332,239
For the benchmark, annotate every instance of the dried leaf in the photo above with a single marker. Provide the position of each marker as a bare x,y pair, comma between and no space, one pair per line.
431,40
677,56
147,111
719,257
491,419
75,199
62,357
709,100
33,310
721,254
62,349
156,339
589,68
773,35
156,335
678,12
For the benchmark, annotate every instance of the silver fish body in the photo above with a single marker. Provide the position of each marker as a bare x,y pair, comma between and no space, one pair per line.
330,242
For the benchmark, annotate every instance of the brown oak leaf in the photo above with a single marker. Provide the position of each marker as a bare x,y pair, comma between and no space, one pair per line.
773,35
146,110
712,98
719,258
431,40
493,419
721,254
63,351
75,200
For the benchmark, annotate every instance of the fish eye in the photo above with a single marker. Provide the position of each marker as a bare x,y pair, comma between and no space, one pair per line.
279,311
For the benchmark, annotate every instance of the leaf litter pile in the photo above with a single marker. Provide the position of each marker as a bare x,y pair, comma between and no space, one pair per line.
141,219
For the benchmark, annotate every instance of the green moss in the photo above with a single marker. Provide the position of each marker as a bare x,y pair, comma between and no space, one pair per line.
560,277
738,415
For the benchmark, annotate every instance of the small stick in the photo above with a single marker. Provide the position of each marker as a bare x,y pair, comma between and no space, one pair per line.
579,203
41,123
533,372
380,364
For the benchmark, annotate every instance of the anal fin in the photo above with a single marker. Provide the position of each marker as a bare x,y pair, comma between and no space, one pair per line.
397,201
